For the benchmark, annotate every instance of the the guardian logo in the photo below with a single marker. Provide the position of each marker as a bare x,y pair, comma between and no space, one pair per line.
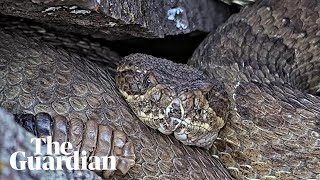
45,159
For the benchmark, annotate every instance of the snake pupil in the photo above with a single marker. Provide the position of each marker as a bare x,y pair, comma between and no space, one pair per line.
147,83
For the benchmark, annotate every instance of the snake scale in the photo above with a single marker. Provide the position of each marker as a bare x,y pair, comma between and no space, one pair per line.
36,77
267,59
93,138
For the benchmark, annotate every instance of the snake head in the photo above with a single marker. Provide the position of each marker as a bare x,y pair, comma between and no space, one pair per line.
173,98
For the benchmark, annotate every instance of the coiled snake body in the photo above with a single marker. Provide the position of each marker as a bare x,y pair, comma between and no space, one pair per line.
260,110
36,77
275,128
261,64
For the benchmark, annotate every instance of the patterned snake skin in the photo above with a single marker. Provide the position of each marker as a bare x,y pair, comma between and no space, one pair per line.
268,57
267,60
36,77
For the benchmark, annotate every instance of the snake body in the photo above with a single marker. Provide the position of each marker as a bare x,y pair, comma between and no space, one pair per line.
266,58
265,63
96,140
36,77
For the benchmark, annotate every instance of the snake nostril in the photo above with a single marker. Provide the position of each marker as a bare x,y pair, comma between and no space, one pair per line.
147,82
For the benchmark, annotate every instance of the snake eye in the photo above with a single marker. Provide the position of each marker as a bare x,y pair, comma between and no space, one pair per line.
206,89
208,95
149,81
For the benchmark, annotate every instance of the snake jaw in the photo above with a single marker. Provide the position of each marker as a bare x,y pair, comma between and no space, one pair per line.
177,117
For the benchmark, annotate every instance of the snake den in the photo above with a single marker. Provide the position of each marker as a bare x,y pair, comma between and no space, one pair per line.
160,89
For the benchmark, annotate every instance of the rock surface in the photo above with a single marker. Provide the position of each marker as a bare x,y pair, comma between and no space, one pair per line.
117,19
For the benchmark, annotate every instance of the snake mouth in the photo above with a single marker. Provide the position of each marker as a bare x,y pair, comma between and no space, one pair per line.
169,128
190,120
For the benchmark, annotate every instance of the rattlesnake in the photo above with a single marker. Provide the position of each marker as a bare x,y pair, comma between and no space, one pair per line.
260,110
259,57
36,77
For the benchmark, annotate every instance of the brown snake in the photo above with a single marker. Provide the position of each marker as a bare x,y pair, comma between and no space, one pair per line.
260,111
267,59
36,77
272,50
